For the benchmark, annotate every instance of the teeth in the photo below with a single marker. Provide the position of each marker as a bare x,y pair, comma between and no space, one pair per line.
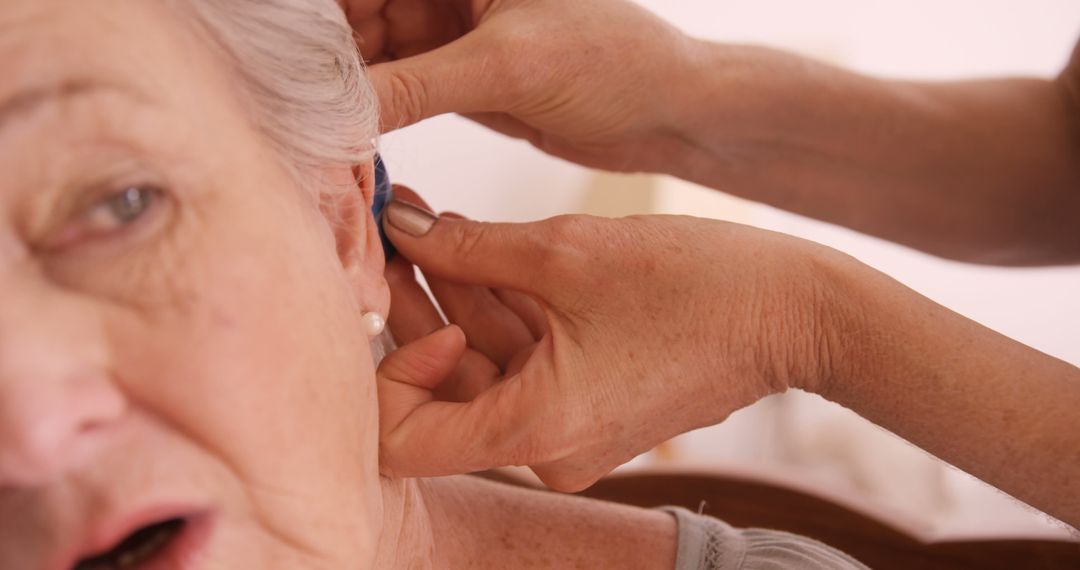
142,551
136,549
96,566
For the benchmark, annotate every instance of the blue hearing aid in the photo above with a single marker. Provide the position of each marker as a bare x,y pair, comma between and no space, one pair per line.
384,194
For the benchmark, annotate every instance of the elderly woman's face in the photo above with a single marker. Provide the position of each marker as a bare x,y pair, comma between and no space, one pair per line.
180,334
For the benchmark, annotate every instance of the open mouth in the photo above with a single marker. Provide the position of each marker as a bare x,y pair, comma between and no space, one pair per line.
140,548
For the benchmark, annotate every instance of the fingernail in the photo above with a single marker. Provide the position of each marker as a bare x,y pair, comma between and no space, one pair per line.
410,218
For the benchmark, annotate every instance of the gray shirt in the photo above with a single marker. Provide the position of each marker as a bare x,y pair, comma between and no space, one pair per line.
706,543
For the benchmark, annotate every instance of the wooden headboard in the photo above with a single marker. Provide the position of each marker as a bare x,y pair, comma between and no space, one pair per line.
744,502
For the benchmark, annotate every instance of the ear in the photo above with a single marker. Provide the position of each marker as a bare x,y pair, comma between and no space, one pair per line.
356,234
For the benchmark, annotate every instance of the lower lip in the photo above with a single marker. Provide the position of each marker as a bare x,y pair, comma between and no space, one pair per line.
186,550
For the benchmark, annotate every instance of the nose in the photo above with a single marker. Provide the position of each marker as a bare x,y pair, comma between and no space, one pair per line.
55,391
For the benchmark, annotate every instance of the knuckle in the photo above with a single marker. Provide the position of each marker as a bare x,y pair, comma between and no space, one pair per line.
408,97
585,255
564,241
566,228
469,239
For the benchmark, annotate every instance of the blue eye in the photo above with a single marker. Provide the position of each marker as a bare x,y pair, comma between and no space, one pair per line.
122,208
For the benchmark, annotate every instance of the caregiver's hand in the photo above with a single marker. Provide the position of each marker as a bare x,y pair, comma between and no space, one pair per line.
606,84
594,82
634,339
591,340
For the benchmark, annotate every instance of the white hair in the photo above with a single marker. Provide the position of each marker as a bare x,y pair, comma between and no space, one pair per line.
300,66
302,70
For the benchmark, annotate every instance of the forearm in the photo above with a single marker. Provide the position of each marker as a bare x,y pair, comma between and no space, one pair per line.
984,171
993,407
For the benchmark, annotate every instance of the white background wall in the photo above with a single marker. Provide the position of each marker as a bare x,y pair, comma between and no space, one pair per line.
462,167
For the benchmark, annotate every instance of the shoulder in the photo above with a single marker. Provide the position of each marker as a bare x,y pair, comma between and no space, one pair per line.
706,543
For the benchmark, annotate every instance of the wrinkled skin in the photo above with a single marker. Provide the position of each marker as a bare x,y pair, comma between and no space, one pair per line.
586,81
591,340
189,351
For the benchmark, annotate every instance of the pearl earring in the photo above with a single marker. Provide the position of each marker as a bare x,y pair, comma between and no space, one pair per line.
374,323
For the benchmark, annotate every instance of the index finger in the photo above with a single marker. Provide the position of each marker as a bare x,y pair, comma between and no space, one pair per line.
528,257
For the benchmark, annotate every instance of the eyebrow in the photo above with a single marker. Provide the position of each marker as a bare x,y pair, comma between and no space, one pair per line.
28,100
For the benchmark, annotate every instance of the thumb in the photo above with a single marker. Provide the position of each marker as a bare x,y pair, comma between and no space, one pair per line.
455,78
407,376
499,427
523,257
420,436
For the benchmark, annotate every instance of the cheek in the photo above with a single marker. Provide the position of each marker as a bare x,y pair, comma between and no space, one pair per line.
261,363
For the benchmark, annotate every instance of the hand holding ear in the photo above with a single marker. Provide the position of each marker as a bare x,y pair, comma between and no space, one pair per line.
589,340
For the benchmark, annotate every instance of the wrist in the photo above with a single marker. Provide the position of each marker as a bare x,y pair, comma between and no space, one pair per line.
849,337
873,334
674,134
750,119
729,105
